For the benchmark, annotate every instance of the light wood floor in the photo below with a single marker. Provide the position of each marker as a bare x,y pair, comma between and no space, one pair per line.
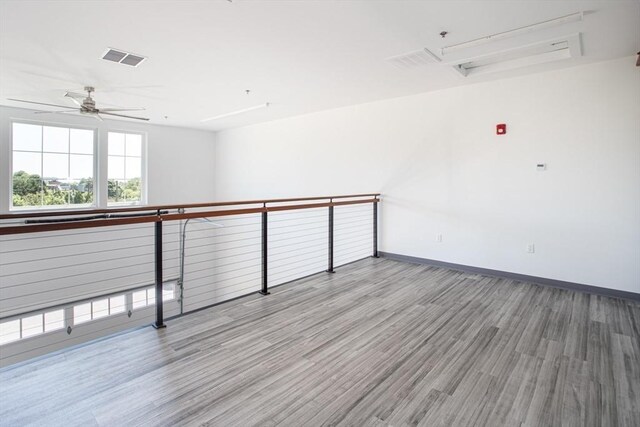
378,343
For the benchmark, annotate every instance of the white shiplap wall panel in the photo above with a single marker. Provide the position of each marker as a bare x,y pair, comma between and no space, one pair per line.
53,268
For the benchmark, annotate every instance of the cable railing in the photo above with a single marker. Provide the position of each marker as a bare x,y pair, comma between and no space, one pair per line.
67,277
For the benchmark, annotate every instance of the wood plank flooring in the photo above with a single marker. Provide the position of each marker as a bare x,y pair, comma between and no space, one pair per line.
379,343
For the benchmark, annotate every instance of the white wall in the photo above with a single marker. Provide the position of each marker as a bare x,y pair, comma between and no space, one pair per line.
442,170
179,160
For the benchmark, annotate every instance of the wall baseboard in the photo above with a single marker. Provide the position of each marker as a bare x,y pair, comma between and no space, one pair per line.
596,290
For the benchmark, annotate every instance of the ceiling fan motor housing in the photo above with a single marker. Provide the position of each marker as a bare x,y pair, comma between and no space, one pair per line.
89,103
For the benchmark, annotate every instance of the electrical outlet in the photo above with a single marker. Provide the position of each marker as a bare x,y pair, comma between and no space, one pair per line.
531,248
439,238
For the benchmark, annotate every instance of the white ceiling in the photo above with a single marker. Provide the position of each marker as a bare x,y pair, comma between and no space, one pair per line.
301,56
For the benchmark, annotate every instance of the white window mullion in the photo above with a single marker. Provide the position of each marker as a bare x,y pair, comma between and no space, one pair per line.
41,167
69,165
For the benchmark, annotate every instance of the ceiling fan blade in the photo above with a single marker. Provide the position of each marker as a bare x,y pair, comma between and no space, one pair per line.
122,115
41,103
120,109
75,95
72,81
57,112
75,101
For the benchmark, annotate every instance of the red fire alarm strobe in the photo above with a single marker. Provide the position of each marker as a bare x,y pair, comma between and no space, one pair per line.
501,129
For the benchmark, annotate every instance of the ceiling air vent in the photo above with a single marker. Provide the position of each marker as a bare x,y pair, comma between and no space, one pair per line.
114,55
132,60
122,57
537,53
414,59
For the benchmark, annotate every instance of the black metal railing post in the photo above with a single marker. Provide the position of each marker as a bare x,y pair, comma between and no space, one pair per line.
265,288
375,229
330,266
158,267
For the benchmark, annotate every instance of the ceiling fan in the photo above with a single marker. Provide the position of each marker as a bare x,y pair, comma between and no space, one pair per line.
85,105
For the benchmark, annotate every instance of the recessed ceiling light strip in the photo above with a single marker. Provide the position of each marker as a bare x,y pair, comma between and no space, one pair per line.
233,113
537,53
574,17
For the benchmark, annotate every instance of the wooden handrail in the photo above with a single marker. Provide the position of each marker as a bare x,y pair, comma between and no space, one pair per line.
22,215
154,217
38,228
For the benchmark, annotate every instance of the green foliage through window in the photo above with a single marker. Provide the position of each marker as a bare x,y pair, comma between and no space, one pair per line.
29,190
124,191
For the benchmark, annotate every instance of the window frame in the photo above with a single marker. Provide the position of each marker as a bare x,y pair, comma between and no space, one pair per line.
42,208
143,168
100,168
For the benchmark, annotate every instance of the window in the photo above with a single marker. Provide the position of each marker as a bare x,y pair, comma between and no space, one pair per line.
97,309
147,297
55,166
117,305
9,331
52,166
125,171
31,325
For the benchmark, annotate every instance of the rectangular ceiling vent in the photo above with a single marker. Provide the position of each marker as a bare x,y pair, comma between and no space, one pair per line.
524,56
122,57
414,59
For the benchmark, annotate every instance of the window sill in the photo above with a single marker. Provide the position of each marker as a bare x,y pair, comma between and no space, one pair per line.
51,208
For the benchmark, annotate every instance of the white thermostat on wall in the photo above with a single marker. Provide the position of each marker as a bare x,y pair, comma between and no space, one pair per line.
541,167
